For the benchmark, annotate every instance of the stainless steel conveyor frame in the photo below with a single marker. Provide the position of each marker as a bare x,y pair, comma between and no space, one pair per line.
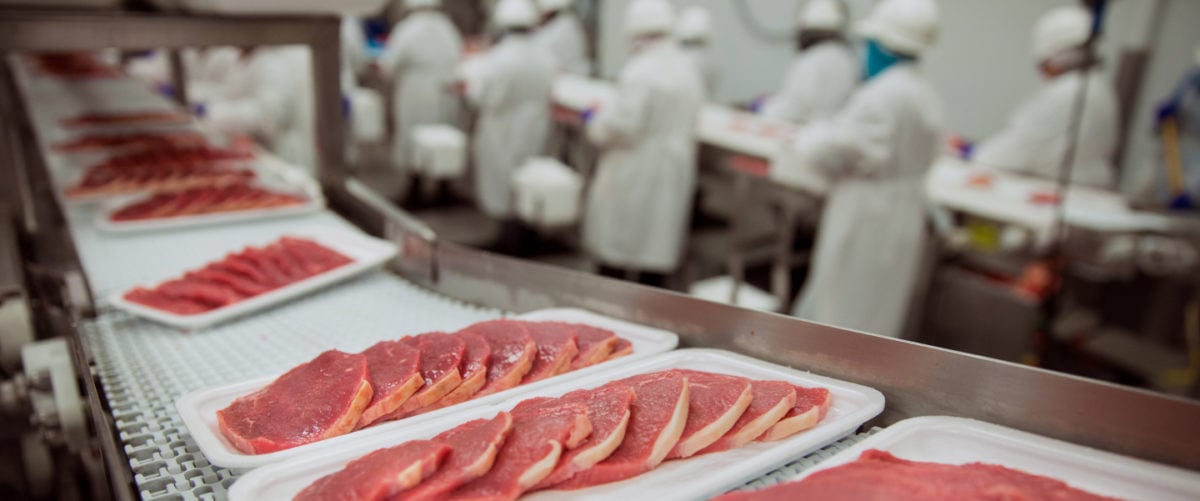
917,380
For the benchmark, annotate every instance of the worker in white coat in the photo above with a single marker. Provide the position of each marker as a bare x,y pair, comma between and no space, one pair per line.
825,71
693,32
562,36
641,197
421,57
1037,137
875,153
512,93
269,96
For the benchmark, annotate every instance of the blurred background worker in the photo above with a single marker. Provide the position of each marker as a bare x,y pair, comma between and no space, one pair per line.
693,32
1037,136
825,71
640,200
420,57
875,153
513,96
263,97
562,36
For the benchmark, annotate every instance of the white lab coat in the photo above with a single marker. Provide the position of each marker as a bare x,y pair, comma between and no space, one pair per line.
701,58
563,39
512,93
354,52
871,239
640,200
270,97
820,80
421,55
1035,140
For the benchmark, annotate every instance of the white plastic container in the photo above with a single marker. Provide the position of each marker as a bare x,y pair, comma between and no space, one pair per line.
547,193
367,252
309,7
953,440
698,477
366,115
198,409
440,151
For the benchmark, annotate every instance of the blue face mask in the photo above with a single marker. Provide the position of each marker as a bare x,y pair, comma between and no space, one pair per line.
879,59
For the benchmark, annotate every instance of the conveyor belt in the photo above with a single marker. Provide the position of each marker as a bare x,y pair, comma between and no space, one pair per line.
791,470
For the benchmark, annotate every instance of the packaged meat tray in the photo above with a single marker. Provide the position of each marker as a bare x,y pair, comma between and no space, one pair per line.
632,342
960,441
205,206
188,306
696,477
159,169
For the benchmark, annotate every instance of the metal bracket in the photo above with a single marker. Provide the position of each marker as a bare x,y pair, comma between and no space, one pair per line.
417,242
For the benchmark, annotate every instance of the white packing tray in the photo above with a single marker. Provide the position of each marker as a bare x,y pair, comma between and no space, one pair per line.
105,223
953,440
694,478
68,178
198,409
351,7
367,253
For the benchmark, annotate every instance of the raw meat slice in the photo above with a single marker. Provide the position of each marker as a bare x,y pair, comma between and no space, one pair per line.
227,280
441,356
556,348
474,446
657,418
609,412
513,351
772,401
474,370
316,400
811,406
715,403
313,252
178,306
204,293
552,406
623,347
379,474
261,260
395,369
236,263
879,475
595,345
528,455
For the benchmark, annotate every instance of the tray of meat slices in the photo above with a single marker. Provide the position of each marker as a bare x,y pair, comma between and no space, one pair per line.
256,277
205,205
163,168
397,384
683,425
948,458
128,119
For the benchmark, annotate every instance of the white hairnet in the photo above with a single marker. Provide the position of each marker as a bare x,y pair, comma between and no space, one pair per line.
905,26
694,24
515,14
645,17
1062,29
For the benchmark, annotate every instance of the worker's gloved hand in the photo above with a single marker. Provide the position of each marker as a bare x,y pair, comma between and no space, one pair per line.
165,89
347,107
200,110
758,103
961,147
1166,111
588,114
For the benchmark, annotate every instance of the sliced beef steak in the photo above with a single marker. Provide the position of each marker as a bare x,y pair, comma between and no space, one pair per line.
513,351
659,412
772,400
609,412
379,474
556,349
811,406
595,345
623,348
395,369
314,401
441,356
715,403
474,447
474,370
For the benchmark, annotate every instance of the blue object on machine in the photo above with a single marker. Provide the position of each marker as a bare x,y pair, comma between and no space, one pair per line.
347,107
757,104
588,114
879,59
165,89
199,109
1182,202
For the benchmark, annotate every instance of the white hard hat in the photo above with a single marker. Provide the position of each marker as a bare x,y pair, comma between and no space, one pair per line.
694,24
553,5
1062,29
905,26
644,17
828,15
515,14
417,4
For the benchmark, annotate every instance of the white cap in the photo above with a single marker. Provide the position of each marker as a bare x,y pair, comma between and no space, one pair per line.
553,5
1062,29
827,15
905,26
694,24
645,17
417,4
515,14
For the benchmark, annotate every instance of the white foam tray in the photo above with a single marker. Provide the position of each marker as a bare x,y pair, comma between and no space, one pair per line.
695,478
105,223
953,440
367,252
351,7
198,409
